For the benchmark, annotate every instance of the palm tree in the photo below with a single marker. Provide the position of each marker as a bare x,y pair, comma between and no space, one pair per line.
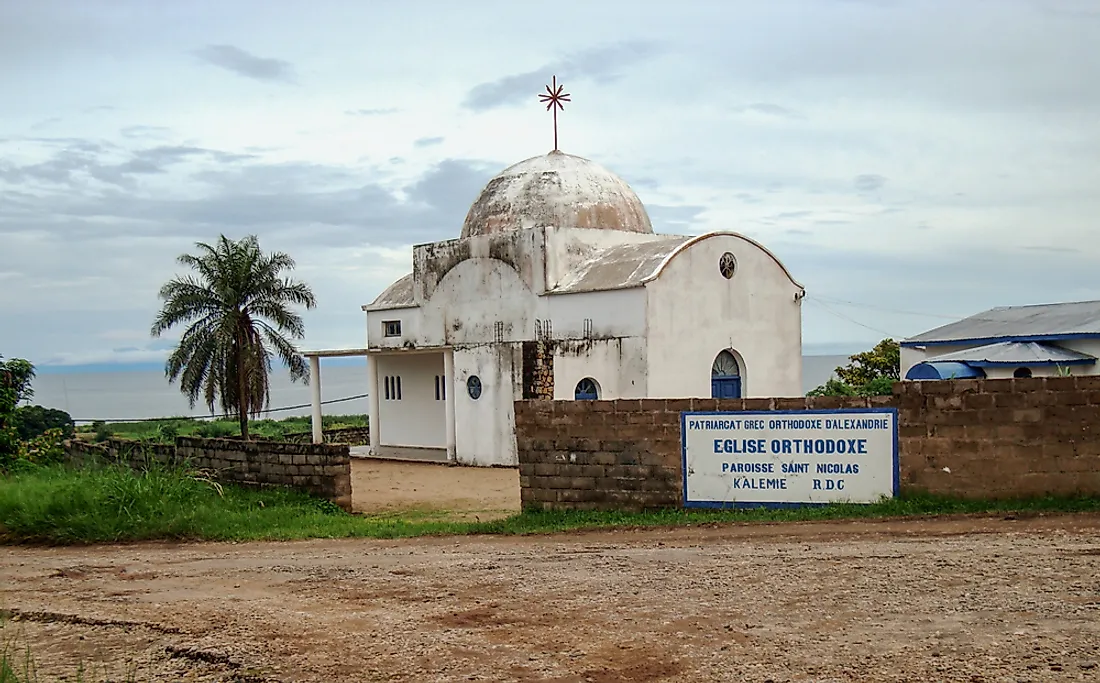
238,310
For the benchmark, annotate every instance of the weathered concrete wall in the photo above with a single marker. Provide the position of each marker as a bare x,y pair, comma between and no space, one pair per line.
694,313
971,438
321,469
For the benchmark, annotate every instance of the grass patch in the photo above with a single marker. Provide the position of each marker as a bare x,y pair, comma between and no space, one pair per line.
60,505
168,428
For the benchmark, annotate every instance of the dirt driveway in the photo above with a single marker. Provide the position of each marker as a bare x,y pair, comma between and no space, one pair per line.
387,485
945,600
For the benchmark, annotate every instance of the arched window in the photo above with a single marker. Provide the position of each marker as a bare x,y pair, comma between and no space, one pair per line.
1022,372
587,390
725,376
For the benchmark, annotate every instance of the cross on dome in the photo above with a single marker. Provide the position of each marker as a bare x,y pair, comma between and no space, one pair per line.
554,100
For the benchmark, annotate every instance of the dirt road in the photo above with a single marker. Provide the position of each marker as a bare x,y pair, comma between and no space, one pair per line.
948,600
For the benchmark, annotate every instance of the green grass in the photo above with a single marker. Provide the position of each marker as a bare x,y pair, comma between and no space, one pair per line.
58,505
166,429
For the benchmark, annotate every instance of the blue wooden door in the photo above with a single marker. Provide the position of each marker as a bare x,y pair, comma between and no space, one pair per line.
725,387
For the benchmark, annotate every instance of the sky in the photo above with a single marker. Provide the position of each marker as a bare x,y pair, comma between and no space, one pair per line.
911,161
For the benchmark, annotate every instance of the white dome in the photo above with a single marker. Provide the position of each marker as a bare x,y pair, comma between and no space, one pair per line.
559,190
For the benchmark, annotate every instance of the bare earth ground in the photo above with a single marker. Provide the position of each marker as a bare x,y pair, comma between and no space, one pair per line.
978,599
385,486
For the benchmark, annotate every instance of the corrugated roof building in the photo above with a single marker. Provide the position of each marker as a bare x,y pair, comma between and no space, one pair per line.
1009,341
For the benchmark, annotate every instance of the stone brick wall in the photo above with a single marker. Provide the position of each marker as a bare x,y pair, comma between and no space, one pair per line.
971,438
321,469
538,370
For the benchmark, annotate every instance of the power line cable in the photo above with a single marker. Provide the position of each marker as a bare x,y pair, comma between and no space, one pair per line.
851,320
222,416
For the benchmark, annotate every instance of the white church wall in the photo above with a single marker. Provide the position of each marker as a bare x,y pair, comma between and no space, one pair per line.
472,298
694,313
485,433
617,366
417,418
614,313
376,328
567,248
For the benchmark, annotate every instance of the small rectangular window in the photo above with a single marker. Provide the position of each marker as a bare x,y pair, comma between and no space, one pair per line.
443,387
386,383
437,387
399,387
391,328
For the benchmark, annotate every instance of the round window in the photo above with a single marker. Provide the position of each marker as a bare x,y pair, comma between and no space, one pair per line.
473,387
727,265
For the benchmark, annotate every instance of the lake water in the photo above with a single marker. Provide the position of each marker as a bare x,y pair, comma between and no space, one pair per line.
138,394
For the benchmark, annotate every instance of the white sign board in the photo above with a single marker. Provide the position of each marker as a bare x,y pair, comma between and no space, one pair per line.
779,458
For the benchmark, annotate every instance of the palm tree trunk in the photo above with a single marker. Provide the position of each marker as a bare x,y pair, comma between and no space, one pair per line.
242,389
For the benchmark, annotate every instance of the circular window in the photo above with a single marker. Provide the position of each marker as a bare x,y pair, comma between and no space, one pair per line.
727,265
473,387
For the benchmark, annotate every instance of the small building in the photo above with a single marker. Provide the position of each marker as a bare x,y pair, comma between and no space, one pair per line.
1010,341
558,288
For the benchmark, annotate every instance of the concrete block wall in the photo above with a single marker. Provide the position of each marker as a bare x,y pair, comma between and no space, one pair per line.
321,469
972,438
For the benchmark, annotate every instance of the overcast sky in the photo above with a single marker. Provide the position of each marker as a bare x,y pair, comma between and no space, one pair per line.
911,161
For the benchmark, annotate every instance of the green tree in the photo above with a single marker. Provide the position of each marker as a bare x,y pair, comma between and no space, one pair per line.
882,361
238,308
869,373
15,386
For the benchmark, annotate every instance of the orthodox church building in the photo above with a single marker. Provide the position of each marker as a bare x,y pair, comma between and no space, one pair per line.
558,288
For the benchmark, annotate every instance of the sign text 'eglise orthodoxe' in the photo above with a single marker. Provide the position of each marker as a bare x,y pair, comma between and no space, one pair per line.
789,457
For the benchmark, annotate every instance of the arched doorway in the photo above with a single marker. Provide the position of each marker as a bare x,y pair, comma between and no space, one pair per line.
725,376
587,390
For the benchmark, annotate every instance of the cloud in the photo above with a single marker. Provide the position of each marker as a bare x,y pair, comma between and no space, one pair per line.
144,131
243,63
602,65
372,112
674,219
767,109
428,142
868,182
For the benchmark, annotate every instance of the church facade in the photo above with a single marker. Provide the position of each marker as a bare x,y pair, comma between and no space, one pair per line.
558,288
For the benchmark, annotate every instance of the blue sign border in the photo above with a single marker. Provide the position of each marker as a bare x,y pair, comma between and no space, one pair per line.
716,504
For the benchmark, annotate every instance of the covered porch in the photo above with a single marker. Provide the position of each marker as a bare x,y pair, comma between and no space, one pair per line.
408,398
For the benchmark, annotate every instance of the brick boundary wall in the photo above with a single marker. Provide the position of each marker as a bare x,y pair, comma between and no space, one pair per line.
323,470
1001,438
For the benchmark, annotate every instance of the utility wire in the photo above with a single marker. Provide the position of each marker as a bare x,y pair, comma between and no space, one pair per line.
222,416
851,320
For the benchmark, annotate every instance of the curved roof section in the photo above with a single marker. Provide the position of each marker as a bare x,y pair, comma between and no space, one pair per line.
556,190
397,295
1016,353
706,236
627,265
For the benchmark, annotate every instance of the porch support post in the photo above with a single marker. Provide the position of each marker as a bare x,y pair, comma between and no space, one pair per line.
315,390
372,403
449,408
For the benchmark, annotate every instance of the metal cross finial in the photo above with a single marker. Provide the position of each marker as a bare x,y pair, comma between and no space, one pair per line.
554,99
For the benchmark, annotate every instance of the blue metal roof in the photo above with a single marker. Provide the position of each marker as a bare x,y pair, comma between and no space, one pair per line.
943,370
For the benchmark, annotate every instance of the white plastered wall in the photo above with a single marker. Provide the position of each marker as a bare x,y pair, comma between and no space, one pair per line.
417,419
693,313
486,425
